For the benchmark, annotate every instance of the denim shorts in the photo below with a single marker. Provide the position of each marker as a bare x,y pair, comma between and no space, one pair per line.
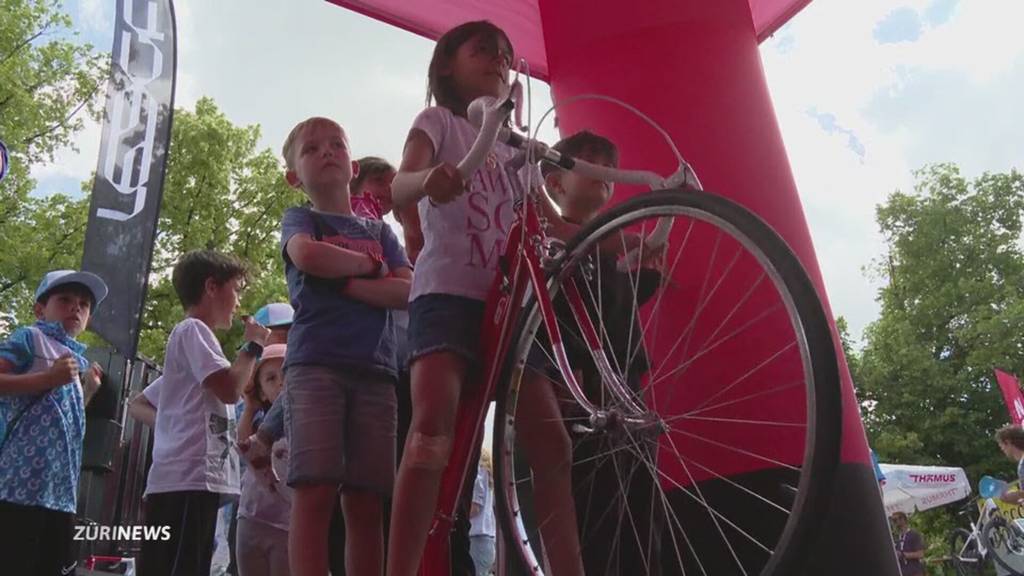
341,427
445,323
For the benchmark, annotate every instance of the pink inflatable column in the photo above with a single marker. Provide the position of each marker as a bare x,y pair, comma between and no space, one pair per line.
694,66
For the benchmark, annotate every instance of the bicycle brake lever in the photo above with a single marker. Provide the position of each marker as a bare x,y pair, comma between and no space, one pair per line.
683,177
489,115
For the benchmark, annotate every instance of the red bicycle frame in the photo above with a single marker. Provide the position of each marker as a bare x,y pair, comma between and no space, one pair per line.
518,269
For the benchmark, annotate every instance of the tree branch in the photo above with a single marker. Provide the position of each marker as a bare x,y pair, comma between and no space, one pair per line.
28,141
25,43
11,284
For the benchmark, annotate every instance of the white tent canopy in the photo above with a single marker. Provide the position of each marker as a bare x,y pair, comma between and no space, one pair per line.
912,489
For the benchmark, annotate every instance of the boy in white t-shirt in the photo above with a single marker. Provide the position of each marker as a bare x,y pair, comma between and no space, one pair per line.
195,462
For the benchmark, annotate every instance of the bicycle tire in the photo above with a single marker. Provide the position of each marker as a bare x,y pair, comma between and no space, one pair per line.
966,557
816,471
1014,538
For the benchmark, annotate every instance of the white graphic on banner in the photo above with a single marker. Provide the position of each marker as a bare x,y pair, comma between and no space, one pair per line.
133,107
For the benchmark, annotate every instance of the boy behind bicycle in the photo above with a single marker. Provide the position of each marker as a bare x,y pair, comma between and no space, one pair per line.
546,441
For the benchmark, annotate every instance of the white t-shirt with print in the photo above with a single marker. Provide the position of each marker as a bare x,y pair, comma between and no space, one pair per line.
194,438
464,239
271,505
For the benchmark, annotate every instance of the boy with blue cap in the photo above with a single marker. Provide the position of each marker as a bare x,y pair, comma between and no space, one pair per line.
45,382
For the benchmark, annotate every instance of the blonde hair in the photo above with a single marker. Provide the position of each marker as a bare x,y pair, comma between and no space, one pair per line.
488,464
297,131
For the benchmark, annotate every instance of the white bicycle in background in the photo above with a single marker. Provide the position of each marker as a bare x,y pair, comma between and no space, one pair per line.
992,536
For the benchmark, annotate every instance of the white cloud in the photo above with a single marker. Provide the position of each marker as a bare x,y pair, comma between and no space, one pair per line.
949,96
95,15
69,163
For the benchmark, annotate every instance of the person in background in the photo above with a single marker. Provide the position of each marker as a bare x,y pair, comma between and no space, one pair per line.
277,317
195,463
909,546
1011,441
371,188
481,516
264,509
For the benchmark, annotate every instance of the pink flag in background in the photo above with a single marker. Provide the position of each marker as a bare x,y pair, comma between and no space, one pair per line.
1011,393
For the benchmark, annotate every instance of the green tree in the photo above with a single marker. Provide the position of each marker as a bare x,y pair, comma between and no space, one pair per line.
48,82
221,193
952,310
44,234
852,359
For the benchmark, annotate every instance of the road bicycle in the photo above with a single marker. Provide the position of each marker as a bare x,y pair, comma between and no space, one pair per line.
709,442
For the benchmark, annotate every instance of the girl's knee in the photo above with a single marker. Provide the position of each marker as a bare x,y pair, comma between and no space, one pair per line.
428,451
315,495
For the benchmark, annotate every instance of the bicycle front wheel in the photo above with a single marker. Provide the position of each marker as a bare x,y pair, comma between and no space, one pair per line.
1005,542
721,455
964,550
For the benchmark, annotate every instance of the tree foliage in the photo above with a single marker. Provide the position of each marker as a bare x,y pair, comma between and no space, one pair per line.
952,310
48,82
220,193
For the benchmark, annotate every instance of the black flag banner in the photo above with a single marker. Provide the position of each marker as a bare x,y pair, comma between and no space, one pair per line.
125,204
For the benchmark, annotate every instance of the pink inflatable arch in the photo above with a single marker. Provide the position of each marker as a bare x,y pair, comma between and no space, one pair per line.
694,66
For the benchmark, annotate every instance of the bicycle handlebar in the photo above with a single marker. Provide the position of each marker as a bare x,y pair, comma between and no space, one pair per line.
491,114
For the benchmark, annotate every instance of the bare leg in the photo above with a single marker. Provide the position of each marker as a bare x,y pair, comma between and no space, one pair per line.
311,517
437,381
364,532
548,449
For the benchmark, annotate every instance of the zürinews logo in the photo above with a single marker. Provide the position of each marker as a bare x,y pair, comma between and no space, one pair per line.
121,533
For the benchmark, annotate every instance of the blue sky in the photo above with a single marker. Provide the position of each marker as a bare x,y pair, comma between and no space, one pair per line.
864,91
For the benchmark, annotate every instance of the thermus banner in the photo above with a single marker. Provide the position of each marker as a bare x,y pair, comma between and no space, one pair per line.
126,194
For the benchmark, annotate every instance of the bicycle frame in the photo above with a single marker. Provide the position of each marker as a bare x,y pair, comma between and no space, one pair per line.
975,536
519,270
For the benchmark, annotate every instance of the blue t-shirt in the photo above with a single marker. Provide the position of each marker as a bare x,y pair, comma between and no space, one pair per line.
330,329
41,434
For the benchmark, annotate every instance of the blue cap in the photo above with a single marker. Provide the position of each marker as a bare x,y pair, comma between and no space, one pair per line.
273,315
56,278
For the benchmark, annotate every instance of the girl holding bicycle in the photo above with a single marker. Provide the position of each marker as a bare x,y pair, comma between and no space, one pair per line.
465,225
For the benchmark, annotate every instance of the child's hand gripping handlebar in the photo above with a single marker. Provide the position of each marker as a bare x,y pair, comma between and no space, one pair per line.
491,115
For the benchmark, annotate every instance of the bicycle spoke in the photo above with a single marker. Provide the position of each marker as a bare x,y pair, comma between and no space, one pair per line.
605,337
734,449
671,274
753,396
737,485
725,344
712,513
710,509
706,348
714,290
747,374
683,367
737,421
634,282
685,335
